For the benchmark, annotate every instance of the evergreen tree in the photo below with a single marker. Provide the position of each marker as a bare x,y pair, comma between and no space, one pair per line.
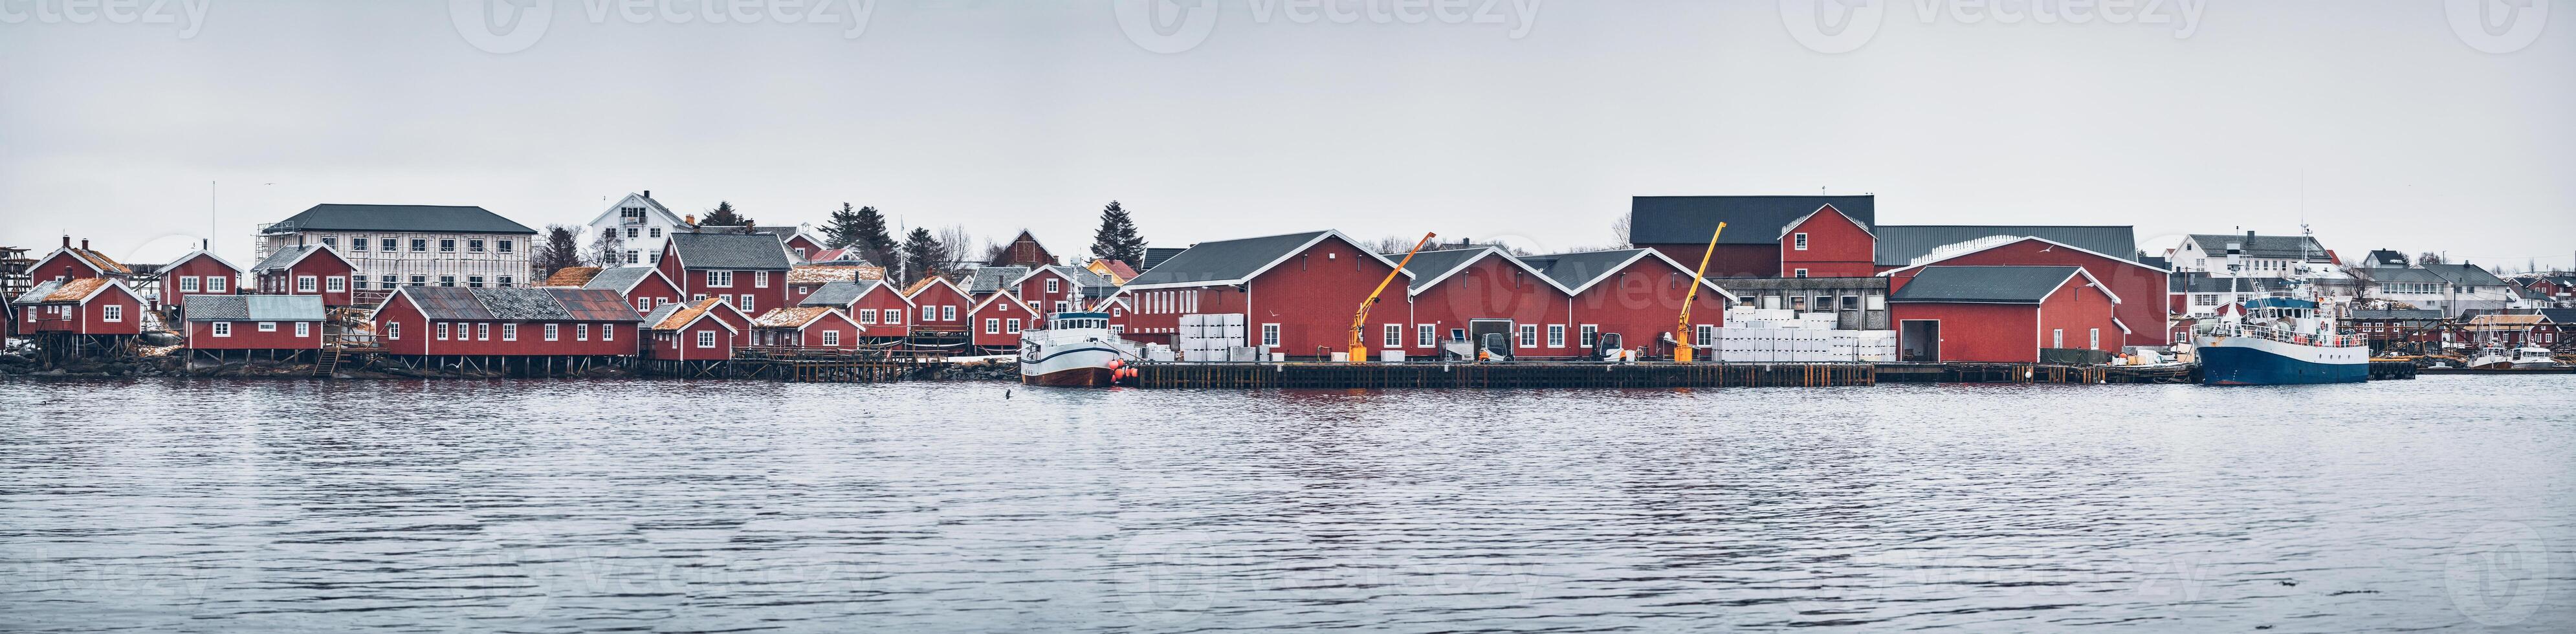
921,252
1117,238
723,216
874,242
843,230
560,250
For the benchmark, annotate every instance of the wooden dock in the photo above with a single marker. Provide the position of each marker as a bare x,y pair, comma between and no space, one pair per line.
823,365
1500,375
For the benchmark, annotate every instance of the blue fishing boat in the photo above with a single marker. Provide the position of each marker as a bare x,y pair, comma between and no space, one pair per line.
2280,341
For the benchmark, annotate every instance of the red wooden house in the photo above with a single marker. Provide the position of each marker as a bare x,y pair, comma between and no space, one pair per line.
807,278
310,269
505,322
253,322
2003,314
1023,251
2143,320
71,263
645,288
1055,289
876,306
998,321
1296,291
704,330
1679,227
197,273
82,317
748,269
938,305
1828,243
805,327
1461,295
1636,294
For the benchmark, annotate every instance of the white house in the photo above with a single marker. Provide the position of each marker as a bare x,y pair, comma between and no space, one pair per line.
641,223
2264,256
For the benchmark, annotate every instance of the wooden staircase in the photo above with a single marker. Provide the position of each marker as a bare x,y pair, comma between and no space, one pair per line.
328,364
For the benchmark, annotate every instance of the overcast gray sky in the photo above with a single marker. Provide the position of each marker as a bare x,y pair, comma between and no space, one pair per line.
2405,126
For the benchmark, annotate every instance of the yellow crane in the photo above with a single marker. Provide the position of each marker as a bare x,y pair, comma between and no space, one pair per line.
1359,346
1682,333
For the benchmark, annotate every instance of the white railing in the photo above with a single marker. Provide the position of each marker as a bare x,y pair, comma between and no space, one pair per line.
2285,336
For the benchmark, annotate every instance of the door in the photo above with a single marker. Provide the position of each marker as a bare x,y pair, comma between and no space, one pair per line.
1920,341
1478,328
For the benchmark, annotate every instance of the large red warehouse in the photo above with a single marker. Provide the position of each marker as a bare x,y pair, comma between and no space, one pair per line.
1636,294
253,322
1679,227
2002,314
750,269
1465,294
2142,317
505,322
310,269
1297,291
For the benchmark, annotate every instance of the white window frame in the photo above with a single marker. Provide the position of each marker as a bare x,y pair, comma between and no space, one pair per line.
1801,241
335,284
831,337
2097,339
608,332
483,331
442,331
187,283
1799,273
992,325
111,312
1062,306
1394,336
1588,335
307,283
893,316
1703,335
218,284
929,313
1426,335
303,329
554,332
393,331
510,332
706,338
222,329
720,279
1270,335
581,332
1556,335
760,279
1011,326
867,317
1528,336
1054,285
2057,338
746,303
948,312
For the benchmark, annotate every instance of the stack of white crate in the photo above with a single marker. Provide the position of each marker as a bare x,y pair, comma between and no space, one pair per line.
1756,335
1210,338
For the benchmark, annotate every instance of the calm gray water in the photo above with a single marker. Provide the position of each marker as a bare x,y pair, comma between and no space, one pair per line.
2446,503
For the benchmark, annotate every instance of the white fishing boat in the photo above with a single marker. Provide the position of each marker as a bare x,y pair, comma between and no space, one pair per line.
1075,349
2523,358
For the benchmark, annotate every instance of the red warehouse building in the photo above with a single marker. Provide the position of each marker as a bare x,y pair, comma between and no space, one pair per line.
1056,289
876,306
748,269
71,263
645,288
447,321
1297,291
2142,318
704,330
219,324
310,269
813,327
2002,314
1679,227
1827,243
1462,295
79,318
197,273
938,305
1636,294
998,321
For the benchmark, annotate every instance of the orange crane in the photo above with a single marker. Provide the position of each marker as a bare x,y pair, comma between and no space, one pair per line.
1359,346
1682,333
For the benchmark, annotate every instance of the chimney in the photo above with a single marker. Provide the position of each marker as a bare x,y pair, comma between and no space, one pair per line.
84,244
67,241
648,193
691,219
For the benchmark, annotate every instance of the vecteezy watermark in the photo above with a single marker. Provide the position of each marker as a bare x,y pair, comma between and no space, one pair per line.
1173,26
510,26
1843,26
2498,26
2498,575
190,15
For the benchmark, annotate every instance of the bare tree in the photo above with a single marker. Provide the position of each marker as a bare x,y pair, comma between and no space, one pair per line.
954,244
1393,244
1619,233
608,250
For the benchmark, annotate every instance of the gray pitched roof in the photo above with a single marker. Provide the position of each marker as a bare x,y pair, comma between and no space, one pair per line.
284,257
1576,270
731,251
446,302
1430,265
2559,315
37,294
994,278
619,279
2194,282
2404,275
664,311
2386,258
1225,259
1082,277
1985,284
2397,313
1155,256
1899,245
2262,246
252,307
1749,219
521,304
420,218
2464,274
839,293
450,303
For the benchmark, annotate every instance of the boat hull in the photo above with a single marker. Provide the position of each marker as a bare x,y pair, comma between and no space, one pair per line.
1070,359
2244,361
1076,377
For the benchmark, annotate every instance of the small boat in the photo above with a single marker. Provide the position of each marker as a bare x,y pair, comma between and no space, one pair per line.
2523,358
1075,350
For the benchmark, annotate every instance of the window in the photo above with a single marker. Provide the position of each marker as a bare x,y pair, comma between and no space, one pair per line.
474,281
655,232
1703,335
1426,335
760,279
336,284
504,281
948,312
554,332
393,330
187,283
386,282
223,329
706,338
635,214
509,332
420,280
1395,335
2097,340
720,279
1800,273
2205,299
831,337
419,244
1011,326
632,232
1270,335
654,257
992,326
447,245
746,303
929,313
1851,302
1801,240
442,331
358,243
386,244
892,316
1556,335
581,332
608,332
800,253
1458,334
503,244
217,283
1529,336
305,283
2057,338
111,312
483,331
474,246
447,280
634,256
1052,285
1588,336
1062,306
331,242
